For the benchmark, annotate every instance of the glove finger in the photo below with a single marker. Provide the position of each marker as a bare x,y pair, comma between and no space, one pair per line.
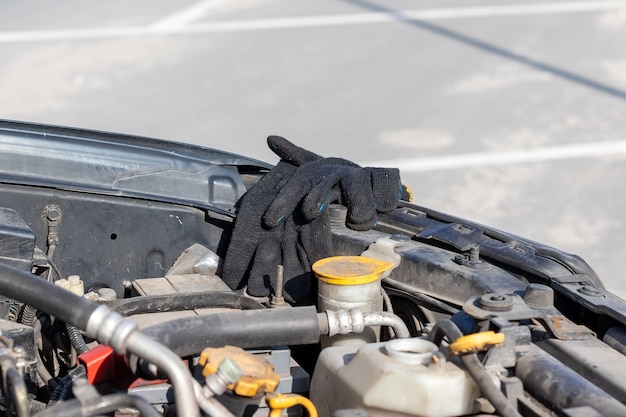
286,202
300,184
316,201
243,243
248,230
295,261
316,238
289,152
308,242
386,188
266,260
356,190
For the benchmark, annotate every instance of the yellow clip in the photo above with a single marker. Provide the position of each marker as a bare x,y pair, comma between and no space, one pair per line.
476,342
279,402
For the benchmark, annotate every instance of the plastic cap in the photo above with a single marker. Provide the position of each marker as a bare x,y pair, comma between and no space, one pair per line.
350,270
256,374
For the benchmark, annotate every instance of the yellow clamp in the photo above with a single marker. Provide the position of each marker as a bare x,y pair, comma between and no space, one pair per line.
407,193
279,402
476,342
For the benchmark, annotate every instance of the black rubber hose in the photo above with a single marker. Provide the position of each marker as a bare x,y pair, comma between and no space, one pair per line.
63,391
259,328
106,404
444,328
178,302
447,328
47,297
423,298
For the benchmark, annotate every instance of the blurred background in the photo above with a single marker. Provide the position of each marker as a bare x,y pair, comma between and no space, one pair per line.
508,113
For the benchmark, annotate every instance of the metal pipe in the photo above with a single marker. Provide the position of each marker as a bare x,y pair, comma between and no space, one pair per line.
123,336
106,404
355,321
561,387
16,388
383,318
210,404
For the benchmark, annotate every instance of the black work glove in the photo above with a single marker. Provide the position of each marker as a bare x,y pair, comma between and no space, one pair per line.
364,191
282,219
254,248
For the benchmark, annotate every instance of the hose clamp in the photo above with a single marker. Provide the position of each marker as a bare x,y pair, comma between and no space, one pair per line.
110,328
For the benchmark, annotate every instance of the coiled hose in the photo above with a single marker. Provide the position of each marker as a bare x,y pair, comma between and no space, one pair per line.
76,339
28,315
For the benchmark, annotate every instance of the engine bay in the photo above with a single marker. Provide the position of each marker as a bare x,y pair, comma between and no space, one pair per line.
113,303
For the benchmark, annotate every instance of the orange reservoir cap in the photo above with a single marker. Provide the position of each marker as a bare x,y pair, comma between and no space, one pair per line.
350,270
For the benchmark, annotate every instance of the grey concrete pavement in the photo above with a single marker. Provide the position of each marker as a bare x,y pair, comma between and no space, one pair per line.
392,82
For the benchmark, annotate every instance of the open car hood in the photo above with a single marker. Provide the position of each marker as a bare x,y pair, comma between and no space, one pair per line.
124,165
112,300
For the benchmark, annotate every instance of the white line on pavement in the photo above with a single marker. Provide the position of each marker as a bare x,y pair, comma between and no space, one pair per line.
178,23
187,15
516,156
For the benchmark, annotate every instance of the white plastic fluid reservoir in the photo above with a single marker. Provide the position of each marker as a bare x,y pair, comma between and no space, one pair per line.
346,282
392,379
385,249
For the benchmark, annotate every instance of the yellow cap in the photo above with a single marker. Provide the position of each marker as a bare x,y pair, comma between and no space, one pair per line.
476,342
350,270
258,374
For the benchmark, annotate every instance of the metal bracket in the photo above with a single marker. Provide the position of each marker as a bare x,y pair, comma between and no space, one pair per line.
512,307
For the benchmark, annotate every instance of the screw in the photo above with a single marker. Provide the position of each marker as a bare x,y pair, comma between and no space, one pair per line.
496,302
277,300
52,213
590,291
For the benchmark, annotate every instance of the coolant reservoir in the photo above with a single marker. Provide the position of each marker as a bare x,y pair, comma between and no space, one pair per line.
393,379
346,282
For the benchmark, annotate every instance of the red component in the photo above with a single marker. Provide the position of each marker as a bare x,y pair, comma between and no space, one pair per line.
104,365
100,364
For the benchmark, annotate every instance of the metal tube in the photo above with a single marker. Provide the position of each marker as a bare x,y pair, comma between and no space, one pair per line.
558,385
382,318
17,389
344,322
210,405
167,361
106,404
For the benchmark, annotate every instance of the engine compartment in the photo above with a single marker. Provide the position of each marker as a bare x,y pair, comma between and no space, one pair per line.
112,303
